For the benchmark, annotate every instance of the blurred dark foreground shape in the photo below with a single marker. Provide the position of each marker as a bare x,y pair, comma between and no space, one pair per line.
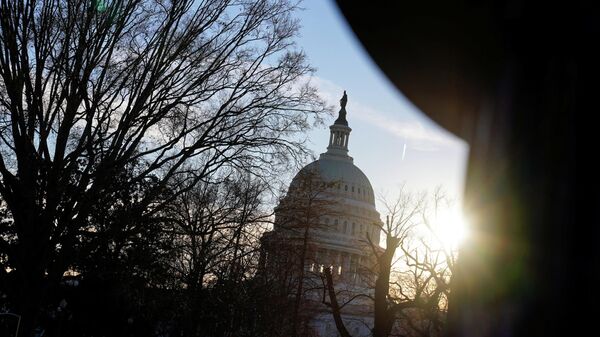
507,78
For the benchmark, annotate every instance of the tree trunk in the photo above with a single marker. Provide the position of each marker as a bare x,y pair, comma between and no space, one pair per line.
334,305
31,286
29,256
383,315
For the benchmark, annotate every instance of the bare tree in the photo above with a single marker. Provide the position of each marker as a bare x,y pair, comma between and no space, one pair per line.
160,89
300,215
424,282
211,224
399,222
413,284
215,229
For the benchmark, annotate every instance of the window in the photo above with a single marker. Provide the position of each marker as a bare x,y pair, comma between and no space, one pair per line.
353,229
359,190
362,228
346,188
352,188
345,227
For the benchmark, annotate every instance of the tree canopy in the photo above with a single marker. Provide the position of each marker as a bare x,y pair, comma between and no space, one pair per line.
110,110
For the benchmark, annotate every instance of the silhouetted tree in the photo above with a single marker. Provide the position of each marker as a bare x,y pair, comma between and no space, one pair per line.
93,90
214,229
290,249
412,285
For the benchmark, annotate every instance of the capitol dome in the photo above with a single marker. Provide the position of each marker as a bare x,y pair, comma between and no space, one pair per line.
350,178
352,215
328,219
336,166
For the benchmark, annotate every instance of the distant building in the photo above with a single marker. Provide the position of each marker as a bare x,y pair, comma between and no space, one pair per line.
331,204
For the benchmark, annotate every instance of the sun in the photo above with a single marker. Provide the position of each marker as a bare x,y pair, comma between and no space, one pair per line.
450,228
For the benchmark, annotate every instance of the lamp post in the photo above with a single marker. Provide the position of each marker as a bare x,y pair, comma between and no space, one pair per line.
18,320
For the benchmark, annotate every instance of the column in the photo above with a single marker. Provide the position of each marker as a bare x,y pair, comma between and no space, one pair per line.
346,265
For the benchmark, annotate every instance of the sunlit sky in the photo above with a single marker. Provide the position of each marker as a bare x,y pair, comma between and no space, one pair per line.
391,141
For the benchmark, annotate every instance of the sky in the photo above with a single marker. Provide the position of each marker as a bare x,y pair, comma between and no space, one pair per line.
391,141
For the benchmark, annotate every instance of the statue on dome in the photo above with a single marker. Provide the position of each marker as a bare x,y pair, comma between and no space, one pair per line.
342,114
344,100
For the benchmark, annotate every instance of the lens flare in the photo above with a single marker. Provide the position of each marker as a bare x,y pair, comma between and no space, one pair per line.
450,228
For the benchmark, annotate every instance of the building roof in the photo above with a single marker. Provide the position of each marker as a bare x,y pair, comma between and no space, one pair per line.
332,169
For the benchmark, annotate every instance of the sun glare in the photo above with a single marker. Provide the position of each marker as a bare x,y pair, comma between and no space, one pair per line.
451,228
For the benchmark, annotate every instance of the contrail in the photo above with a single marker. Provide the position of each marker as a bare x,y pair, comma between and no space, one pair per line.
404,151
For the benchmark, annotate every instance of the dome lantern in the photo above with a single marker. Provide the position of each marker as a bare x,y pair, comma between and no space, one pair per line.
340,133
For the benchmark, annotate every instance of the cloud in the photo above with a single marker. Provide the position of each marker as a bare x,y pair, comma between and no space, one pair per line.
409,129
330,91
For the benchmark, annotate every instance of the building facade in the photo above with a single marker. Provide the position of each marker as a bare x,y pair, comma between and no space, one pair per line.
328,219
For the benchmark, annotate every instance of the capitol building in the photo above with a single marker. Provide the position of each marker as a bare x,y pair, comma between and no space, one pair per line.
327,219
